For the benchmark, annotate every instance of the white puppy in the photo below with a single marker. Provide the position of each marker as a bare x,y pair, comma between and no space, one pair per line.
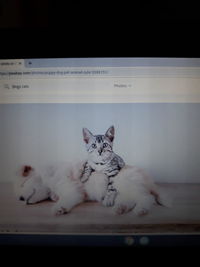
58,182
137,192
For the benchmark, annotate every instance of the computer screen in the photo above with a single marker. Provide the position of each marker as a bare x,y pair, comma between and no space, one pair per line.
99,150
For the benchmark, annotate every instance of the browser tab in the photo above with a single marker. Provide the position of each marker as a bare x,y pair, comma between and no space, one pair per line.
9,64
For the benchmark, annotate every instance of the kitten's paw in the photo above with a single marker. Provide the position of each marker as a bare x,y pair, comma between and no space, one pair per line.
121,209
109,200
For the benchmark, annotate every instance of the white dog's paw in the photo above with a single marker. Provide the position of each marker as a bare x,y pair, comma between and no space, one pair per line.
140,211
54,197
59,210
121,209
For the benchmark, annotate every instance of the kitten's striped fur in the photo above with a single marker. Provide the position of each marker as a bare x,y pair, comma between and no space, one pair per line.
101,158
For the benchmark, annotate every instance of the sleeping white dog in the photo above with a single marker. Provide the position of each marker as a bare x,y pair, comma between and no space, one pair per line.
61,183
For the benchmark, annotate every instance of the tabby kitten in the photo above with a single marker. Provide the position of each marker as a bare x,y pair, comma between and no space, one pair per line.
101,158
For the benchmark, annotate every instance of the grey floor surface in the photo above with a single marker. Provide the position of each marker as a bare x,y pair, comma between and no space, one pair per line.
182,217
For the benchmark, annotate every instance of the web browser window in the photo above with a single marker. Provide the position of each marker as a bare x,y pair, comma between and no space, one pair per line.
51,111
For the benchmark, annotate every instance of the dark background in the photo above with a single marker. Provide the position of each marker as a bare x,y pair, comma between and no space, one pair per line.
43,14
50,29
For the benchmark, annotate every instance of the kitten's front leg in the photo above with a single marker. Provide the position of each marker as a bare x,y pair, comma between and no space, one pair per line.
110,196
87,170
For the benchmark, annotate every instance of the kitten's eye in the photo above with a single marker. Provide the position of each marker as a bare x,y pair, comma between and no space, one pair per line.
105,145
94,145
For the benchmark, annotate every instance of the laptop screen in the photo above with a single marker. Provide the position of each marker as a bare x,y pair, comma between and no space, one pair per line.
100,146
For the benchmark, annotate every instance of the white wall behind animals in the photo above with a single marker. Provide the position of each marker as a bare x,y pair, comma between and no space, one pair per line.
161,138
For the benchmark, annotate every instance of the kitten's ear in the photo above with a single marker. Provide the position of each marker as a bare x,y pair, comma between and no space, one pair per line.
110,133
86,135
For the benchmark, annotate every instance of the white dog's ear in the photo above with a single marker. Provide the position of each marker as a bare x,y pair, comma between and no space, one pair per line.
87,135
110,133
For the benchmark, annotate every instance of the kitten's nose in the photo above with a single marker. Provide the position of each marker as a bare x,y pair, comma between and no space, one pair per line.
100,151
21,198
